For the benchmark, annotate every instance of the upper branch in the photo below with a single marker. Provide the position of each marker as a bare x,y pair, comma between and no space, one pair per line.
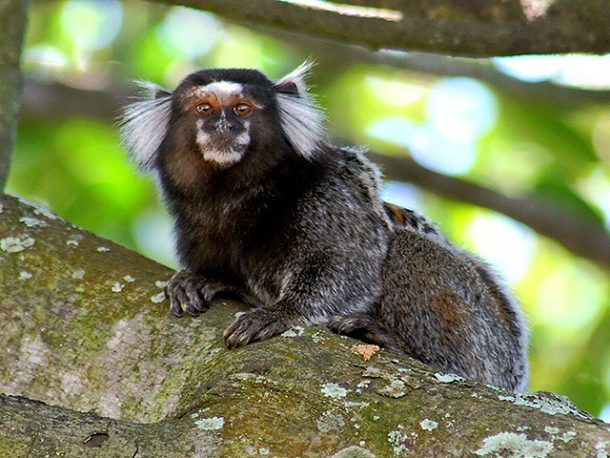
457,27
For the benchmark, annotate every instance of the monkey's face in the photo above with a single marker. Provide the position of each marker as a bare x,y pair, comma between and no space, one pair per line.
223,114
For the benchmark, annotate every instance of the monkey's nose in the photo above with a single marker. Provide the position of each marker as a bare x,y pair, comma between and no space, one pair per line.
224,126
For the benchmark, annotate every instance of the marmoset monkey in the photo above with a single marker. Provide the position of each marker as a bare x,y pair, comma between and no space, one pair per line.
265,208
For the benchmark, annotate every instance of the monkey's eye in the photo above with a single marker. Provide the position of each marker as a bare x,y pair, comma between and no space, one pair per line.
242,109
204,108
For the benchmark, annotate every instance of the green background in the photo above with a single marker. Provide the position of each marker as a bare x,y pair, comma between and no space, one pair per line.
459,126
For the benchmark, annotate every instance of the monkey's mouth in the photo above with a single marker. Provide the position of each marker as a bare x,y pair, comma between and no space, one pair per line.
221,148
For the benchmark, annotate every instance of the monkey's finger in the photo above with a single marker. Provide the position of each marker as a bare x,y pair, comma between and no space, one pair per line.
209,292
195,304
175,306
178,300
237,333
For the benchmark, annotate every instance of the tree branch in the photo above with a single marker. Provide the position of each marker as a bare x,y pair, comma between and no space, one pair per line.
12,30
541,93
580,237
458,27
86,330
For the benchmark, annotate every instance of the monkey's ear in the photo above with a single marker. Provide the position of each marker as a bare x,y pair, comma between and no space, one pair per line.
294,82
144,124
300,117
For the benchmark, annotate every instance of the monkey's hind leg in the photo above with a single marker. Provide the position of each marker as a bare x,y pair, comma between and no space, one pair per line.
367,328
192,293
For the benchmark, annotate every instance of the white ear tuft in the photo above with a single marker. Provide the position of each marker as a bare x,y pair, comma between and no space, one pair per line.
300,117
296,78
144,124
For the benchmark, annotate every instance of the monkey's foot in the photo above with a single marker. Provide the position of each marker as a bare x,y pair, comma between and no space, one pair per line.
258,324
368,329
191,293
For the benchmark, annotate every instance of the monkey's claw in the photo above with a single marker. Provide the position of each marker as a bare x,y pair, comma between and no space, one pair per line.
259,324
190,293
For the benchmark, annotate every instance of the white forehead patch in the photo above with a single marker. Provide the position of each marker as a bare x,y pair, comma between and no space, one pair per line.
223,89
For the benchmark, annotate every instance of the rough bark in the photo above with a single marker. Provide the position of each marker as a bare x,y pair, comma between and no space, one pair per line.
457,27
12,31
85,331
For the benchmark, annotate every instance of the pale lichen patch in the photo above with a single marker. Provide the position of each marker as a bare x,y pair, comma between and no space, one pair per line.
330,421
333,390
356,404
24,275
396,389
117,287
552,405
293,332
30,221
353,452
102,249
551,429
264,451
16,244
401,440
210,424
317,336
38,208
448,378
568,436
372,372
78,274
514,445
363,384
601,450
129,279
158,298
160,284
428,425
72,242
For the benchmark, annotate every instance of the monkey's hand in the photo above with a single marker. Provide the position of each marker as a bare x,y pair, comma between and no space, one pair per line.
257,324
191,293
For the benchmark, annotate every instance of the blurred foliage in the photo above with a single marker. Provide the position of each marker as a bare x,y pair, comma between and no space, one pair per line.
454,125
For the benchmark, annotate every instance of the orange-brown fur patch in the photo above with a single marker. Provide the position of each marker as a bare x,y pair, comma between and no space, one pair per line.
196,95
450,309
396,213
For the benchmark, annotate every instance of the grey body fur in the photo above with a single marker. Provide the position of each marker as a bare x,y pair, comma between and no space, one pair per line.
297,229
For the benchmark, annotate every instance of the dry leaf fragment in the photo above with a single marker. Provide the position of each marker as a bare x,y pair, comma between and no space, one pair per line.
365,350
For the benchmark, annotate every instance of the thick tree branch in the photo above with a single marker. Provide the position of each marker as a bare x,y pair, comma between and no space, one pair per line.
543,93
86,328
457,27
12,31
582,238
